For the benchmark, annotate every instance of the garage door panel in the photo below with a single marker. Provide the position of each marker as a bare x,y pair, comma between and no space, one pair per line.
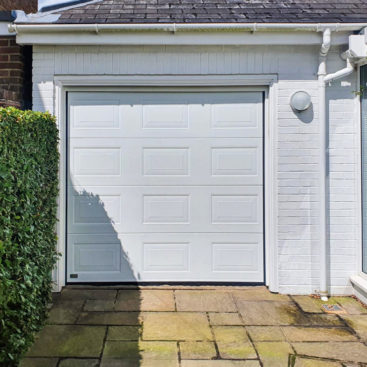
224,161
95,113
128,209
178,115
95,209
98,257
165,186
181,257
97,161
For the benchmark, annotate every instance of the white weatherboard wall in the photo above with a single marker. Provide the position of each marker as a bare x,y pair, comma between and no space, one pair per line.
297,238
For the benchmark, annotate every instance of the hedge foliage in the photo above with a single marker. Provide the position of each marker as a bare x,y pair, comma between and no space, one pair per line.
28,191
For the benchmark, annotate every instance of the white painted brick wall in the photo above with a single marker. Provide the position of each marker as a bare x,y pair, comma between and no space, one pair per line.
298,240
343,178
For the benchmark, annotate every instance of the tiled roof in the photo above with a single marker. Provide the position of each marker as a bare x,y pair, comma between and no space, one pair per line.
217,11
6,16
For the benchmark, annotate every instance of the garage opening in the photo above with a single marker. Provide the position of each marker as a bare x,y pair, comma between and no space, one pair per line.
165,186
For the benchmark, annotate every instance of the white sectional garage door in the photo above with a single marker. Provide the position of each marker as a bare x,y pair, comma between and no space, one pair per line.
165,186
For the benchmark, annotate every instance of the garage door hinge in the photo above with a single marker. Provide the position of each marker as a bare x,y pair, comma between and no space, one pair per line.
73,275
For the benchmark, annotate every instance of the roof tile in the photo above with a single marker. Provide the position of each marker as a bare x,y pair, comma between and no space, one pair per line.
219,11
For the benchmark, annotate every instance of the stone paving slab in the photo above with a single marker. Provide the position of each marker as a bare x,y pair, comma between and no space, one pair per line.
186,326
157,300
323,320
358,323
351,305
145,300
123,333
68,341
299,334
230,333
266,333
233,342
197,350
312,304
224,319
271,313
204,301
141,351
345,351
113,362
73,362
83,294
128,300
99,305
221,363
308,362
65,312
236,350
39,362
110,318
255,294
274,354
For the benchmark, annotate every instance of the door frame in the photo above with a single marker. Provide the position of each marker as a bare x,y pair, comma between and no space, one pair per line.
263,83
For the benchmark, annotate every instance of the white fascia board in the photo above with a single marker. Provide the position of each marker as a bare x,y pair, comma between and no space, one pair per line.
179,38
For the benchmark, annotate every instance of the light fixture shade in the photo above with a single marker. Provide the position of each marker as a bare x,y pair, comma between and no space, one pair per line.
300,101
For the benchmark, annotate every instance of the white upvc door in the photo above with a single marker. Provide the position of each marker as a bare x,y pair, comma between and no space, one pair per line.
165,186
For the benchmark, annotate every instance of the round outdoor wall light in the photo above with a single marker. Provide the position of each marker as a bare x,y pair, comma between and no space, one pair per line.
300,101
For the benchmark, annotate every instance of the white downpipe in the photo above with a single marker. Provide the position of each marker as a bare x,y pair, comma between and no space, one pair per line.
325,78
341,73
325,47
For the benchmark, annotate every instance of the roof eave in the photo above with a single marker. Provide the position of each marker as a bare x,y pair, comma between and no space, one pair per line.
182,34
182,27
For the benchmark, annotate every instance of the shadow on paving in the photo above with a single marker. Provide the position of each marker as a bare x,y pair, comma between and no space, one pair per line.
191,326
91,326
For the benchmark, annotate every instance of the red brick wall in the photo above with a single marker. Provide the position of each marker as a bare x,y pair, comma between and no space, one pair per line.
11,72
29,6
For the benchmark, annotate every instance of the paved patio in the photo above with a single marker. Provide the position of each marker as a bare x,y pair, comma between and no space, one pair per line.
198,327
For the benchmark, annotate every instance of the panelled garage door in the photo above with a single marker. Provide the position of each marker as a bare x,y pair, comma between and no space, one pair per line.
165,186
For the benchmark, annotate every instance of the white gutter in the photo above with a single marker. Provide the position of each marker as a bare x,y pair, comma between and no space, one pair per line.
178,27
325,47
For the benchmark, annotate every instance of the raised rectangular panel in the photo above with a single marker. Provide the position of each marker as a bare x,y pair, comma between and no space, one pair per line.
159,116
165,161
235,257
99,257
166,209
168,257
96,161
94,114
234,115
95,209
234,161
234,209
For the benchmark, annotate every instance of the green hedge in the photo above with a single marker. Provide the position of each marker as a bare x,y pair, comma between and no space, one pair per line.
28,191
